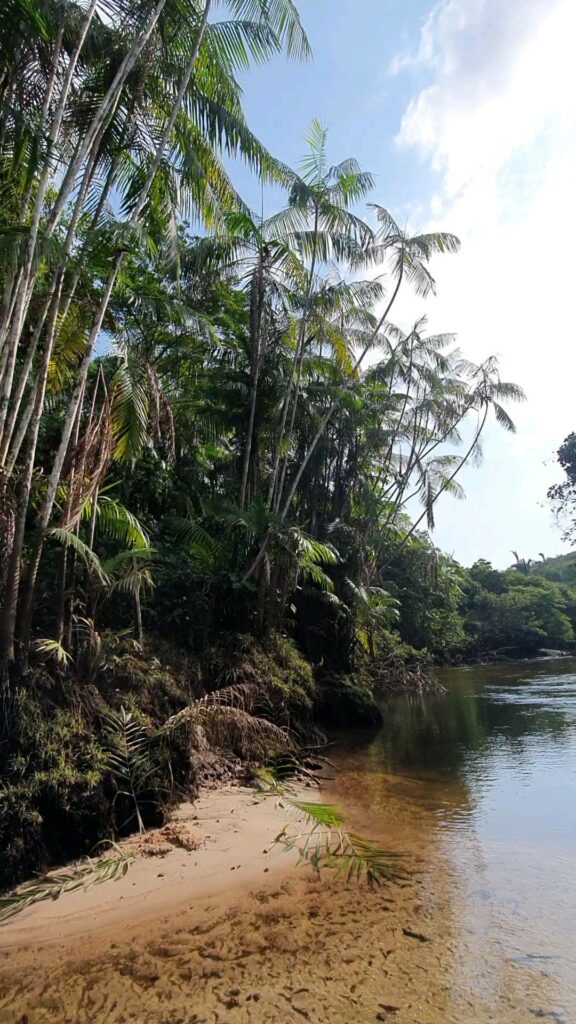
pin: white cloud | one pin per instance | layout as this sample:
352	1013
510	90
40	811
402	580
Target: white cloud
496	123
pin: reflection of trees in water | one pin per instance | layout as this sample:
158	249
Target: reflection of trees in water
432	750
437	733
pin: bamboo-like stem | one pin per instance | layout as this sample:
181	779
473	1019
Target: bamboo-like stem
107	106
257	301
11	586
28	276
295	374
299	355
54	478
443	488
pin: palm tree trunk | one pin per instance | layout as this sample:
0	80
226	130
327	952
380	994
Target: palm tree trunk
320	432
15	403
444	487
10	604
106	108
19	437
255	348
328	415
56	283
91	138
138	616
28	276
54	479
296	372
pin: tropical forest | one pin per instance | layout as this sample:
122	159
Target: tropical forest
223	457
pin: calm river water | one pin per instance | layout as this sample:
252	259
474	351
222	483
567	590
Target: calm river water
478	785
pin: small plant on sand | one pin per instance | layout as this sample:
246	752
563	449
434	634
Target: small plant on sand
129	760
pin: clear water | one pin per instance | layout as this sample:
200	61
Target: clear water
478	785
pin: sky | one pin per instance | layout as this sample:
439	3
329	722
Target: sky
465	112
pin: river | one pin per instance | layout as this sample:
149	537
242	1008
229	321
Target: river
478	785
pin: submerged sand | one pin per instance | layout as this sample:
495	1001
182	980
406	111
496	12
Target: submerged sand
233	932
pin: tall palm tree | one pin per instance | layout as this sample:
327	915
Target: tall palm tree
189	109
407	258
322	226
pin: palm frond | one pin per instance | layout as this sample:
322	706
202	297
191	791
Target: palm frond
82	875
53	649
328	845
231	727
114	520
69	539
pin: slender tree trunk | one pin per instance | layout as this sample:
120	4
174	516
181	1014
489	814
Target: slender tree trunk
138	616
56	283
62	585
54	479
16	399
8	625
20	435
296	371
255	351
328	415
107	107
90	139
444	487
319	433
27	283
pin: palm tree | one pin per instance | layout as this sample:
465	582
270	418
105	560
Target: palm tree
407	257
321	225
187	115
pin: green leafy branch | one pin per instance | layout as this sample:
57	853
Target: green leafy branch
328	844
82	875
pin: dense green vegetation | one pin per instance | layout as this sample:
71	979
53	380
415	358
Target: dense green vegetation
219	455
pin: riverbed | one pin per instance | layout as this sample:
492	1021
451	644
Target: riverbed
476	787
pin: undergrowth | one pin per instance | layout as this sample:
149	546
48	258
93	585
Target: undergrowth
89	758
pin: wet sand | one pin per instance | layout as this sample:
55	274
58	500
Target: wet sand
230	934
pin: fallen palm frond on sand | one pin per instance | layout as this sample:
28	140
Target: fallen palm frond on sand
328	844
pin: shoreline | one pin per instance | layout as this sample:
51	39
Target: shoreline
230	933
218	936
229	832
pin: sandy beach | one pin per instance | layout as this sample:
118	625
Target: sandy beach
214	924
230	932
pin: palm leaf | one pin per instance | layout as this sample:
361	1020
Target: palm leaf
82	875
69	539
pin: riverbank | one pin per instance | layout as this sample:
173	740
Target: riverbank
220	844
473	785
229	932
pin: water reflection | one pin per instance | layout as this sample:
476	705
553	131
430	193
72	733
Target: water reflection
479	783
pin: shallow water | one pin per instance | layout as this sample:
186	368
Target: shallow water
478	786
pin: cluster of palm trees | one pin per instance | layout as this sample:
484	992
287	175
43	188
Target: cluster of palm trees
252	364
